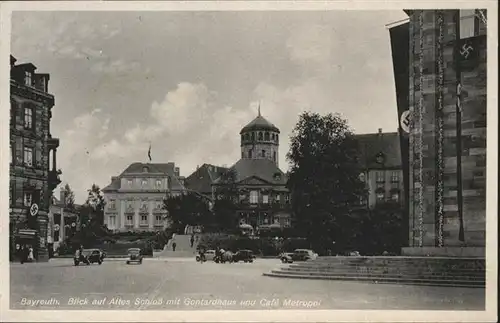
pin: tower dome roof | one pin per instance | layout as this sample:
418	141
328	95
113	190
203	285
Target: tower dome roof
259	123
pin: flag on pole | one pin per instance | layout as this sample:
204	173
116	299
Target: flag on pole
149	152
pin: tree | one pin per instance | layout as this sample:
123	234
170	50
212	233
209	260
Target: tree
69	197
324	178
187	209
94	205
226	195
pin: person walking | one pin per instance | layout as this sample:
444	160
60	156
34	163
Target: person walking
30	254
174	245
192	240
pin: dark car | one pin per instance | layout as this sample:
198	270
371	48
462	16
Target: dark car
303	255
286	257
243	255
89	256
134	255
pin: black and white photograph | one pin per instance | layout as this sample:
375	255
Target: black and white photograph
273	161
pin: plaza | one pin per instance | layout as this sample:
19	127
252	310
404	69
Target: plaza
182	284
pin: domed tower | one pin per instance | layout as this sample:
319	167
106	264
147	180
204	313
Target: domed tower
260	140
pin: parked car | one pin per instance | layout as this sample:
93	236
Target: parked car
243	255
303	255
89	256
134	255
286	257
209	255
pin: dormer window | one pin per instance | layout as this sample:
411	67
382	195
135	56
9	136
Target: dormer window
28	78
277	176
380	158
144	169
266	136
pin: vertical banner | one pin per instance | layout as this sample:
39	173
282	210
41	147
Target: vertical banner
439	193
400	47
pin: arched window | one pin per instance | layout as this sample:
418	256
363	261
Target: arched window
242	137
272	136
277	137
253	135
247	136
274	156
266	136
260	135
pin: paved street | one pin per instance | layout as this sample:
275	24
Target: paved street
185	284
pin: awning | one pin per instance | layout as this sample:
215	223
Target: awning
26	234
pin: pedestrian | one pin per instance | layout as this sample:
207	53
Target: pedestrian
174	245
22	254
192	240
30	254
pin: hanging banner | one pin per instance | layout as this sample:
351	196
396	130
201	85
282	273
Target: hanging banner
469	51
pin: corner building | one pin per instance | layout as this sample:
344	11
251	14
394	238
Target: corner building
33	170
446	127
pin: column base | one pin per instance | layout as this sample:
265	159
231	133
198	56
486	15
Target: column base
461	252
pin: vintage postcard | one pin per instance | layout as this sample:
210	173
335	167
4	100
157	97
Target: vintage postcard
249	161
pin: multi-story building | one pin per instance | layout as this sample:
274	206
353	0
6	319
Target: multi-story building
443	109
380	159
263	196
134	199
33	172
202	179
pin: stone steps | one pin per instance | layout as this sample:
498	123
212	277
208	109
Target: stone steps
383	279
466	272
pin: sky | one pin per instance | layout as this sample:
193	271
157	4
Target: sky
187	82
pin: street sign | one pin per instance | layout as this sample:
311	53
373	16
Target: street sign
34	209
405	121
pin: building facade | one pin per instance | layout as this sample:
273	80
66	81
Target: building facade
446	125
202	179
380	158
134	199
33	170
264	199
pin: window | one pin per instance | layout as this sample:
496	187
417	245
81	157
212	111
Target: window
253	136
11	195
144	219
380	196
130	182
130	205
274	155
129	220
260	135
263	153
395	197
144	206
277	138
112	204
242	137
112	221
144	182
287	198
11	154
266	136
250	153
158	183
362	200
380	177
28	118
28	198
158	220
28	79
242	154
395	177
159	205
43	84
467	23
144	169
277	197
28	156
254	197
265	199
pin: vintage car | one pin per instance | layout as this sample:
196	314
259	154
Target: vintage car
243	255
303	255
134	255
209	255
286	257
89	256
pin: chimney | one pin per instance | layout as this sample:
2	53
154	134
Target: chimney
62	196
177	171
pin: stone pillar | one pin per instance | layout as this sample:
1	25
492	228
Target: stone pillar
54	164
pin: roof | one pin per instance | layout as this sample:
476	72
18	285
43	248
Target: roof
264	169
259	123
385	144
201	180
136	168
